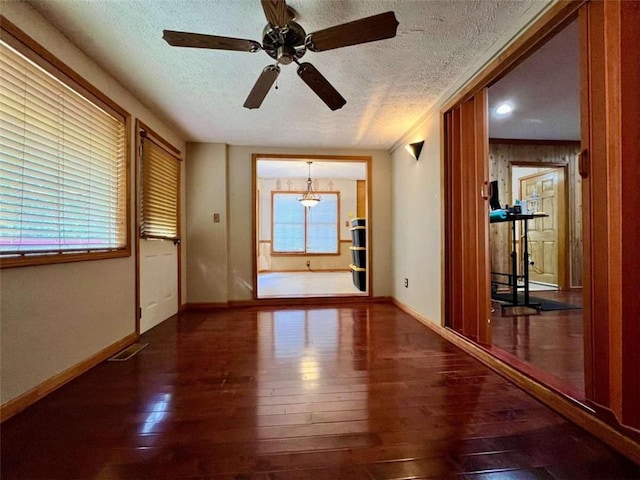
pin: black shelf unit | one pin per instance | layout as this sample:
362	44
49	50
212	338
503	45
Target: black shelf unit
359	253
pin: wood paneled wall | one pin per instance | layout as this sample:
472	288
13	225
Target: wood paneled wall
502	154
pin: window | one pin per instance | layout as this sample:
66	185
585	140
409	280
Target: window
159	187
297	229
63	164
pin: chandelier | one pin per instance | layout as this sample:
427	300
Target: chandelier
308	198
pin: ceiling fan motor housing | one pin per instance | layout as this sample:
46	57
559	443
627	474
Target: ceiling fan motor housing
284	45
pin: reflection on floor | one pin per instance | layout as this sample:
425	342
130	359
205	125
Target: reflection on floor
302	284
549	345
357	392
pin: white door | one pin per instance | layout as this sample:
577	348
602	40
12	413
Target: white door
158	282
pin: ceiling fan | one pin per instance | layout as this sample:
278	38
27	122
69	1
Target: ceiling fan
286	41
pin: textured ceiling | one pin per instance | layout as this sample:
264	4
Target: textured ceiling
389	85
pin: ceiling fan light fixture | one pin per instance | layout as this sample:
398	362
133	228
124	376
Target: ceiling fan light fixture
309	198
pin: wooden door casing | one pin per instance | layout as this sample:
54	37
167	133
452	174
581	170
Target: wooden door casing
609	166
546	234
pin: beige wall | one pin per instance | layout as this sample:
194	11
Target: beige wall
417	229
417	224
206	183
56	316
283	263
298	263
240	216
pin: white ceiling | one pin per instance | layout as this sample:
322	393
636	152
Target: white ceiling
544	91
389	85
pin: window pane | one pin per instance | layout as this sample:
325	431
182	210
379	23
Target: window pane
62	165
288	223
322	225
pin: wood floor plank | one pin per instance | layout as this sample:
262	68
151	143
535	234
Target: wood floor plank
354	392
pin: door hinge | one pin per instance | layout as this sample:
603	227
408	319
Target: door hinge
583	163
140	312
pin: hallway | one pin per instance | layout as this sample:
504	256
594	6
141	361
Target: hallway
349	392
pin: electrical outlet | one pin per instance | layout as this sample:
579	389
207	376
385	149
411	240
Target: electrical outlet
406	283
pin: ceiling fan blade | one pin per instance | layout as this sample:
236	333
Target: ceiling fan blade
369	29
199	40
262	86
276	12
321	86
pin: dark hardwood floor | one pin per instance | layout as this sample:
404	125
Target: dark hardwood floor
352	392
547	345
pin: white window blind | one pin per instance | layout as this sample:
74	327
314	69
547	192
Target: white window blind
288	223
159	191
297	229
63	185
322	225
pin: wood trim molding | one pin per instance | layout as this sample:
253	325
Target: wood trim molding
286	302
297	158
197	306
297	301
16	405
310	254
571	409
158	140
366	159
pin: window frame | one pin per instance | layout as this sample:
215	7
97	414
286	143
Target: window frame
34	52
304	253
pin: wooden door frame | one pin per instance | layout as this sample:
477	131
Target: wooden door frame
564	282
609	164
467	281
140	125
366	159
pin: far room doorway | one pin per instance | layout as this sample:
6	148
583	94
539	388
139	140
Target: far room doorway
528	115
321	250
534	145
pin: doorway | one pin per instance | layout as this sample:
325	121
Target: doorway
532	142
607	165
311	251
533	157
158	227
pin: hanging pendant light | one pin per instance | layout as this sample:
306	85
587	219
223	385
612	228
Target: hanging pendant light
308	198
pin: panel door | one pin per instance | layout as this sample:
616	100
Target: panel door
158	282
543	232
